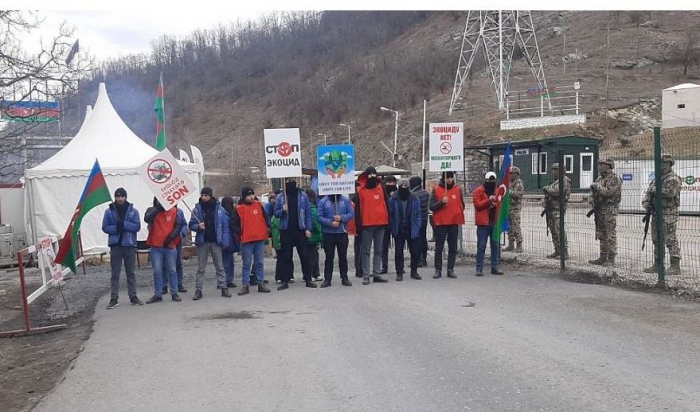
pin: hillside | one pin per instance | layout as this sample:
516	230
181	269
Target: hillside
316	70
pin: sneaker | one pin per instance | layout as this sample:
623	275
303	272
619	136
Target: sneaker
197	295
136	301
379	279
345	282
154	299
283	286
181	289
496	271
311	285
365	280
225	293
244	290
326	283
262	288
176	298
479	272
113	303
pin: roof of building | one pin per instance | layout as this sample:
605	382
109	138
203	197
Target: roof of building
542	141
683	86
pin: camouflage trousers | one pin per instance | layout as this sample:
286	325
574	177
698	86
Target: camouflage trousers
514	231
553	226
670	239
606	229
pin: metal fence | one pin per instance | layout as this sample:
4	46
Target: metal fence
635	164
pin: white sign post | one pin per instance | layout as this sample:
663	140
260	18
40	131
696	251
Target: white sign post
282	153
166	179
446	147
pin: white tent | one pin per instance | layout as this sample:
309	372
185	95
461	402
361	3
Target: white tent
53	188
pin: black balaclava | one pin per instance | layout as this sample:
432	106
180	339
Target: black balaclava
291	186
390	188
490	188
404	193
372	182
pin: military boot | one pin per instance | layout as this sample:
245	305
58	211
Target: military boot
553	255
675	268
611	260
510	247
654	268
519	247
600	261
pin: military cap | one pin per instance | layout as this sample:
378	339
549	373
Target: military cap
667	158
515	169
608	161
555	166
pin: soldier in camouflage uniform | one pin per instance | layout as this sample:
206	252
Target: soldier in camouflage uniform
606	194
551	207
515	235
670	203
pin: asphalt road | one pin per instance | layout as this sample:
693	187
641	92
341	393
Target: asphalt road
521	342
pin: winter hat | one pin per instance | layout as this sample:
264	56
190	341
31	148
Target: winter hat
415	181
446	175
403	183
120	192
370	171
206	190
246	191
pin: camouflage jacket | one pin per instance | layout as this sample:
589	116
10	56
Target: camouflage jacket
670	192
606	191
551	191
516	193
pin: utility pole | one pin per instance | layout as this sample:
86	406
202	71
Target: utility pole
563	24
348	126
607	68
396	130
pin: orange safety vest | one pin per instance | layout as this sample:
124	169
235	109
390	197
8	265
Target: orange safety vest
253	224
162	226
452	212
373	207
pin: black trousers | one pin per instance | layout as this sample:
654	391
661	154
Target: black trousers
413	249
385	249
357	247
423	238
331	242
289	239
312	256
450	232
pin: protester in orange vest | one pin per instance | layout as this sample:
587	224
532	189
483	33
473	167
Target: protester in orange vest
372	219
448	214
484	198
252	227
163	238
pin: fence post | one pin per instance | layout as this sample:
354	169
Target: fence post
658	209
563	250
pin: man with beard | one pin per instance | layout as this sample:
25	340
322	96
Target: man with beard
423	196
372	218
121	222
211	224
390	187
294	211
485	218
405	217
448	214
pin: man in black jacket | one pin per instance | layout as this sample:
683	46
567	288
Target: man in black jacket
417	189
390	188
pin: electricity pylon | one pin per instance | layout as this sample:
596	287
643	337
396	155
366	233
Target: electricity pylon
497	32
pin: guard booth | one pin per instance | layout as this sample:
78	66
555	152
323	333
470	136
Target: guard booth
535	159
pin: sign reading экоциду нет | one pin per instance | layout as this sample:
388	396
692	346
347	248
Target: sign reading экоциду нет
446	147
166	179
282	153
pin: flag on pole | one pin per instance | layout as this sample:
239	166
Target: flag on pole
95	193
503	197
160	116
73	51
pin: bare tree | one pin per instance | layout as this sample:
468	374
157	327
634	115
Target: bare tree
46	75
691	51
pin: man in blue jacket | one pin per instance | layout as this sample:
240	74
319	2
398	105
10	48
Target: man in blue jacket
209	221
334	213
294	211
122	222
405	218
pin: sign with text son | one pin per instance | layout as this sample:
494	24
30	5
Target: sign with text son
446	147
166	179
336	169
282	153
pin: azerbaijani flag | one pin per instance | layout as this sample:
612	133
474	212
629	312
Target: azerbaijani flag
160	116
94	194
503	197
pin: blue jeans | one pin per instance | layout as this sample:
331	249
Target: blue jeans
253	252
482	234
229	265
164	258
178	266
